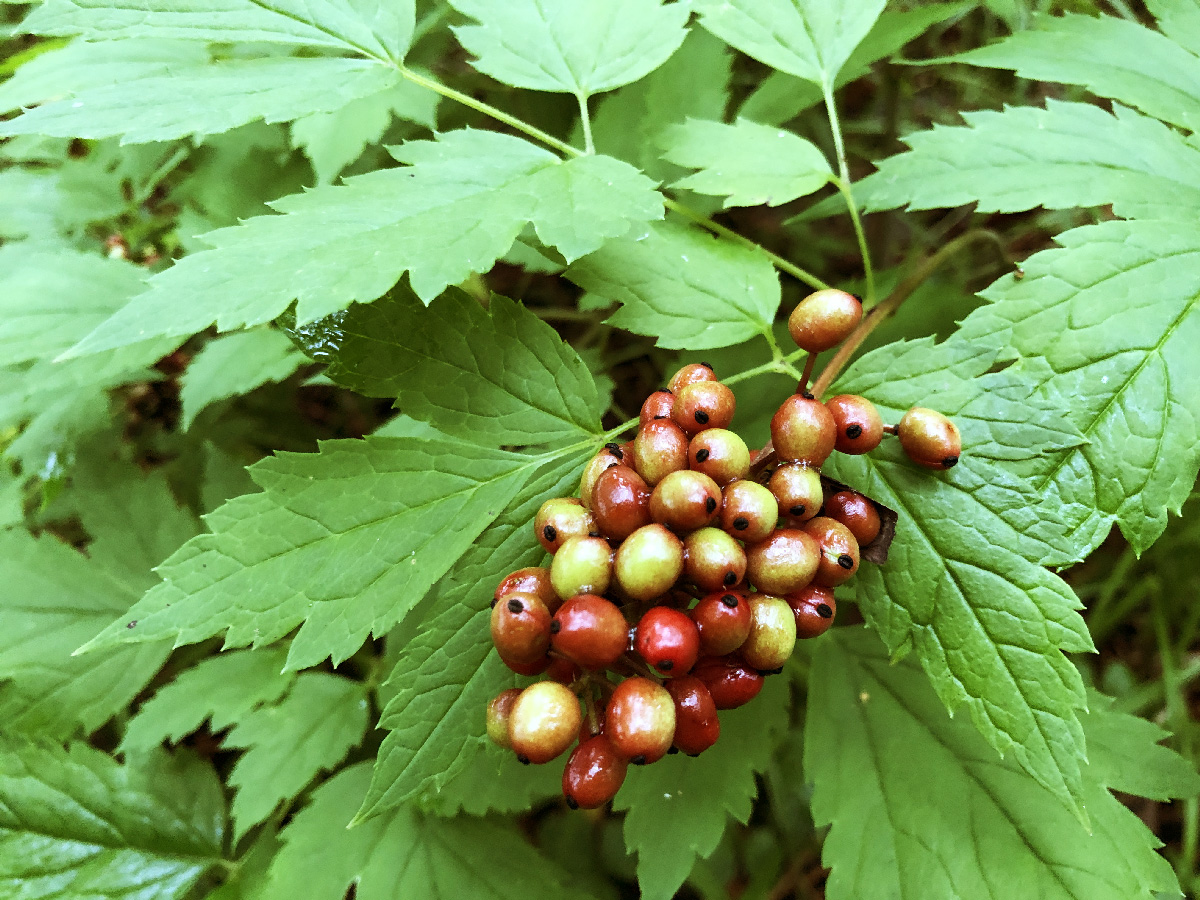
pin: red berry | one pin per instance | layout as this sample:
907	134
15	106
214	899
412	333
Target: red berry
544	721
704	404
731	682
640	720
859	427
590	631
723	620
560	519
657	406
685	501
594	773
691	374
803	430
668	640
929	438
521	628
814	608
533	580
786	561
721	455
749	512
712	560
772	633
838	551
620	502
857	513
798	490
596	467
824	319
562	670
649	562
582	565
696	724
537	667
659	449
499	711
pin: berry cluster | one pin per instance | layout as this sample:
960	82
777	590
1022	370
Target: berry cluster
686	569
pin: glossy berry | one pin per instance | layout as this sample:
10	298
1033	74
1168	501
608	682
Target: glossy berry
590	631
857	513
720	454
544	722
667	640
814	608
499	711
596	467
533	580
685	500
704	404
640	720
560	519
772	633
723	620
564	671
649	562
620	502
712	560
731	682
749	512
659	449
692	373
594	773
656	406
929	438
803	430
859	427
838	551
521	628
583	565
786	561
696	724
798	490
824	319
537	667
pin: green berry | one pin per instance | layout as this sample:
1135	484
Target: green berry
772	635
691	374
596	467
824	319
685	500
560	519
803	430
798	490
929	438
786	561
659	449
499	711
544	721
649	562
712	560
583	565
838	551
704	404
720	454
749	512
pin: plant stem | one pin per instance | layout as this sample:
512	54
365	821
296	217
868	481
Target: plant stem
809	363
843	185
588	147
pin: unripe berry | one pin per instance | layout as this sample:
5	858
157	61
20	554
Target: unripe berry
772	633
696	724
668	640
640	720
798	489
659	449
560	519
814	608
929	438
723	620
712	560
499	711
859	427
721	455
594	773
857	513
590	631
620	502
656	406
685	501
583	565
705	404
838	551
731	682
544	722
786	561
533	580
749	512
803	430
824	319
521	628
692	373
649	562
596	467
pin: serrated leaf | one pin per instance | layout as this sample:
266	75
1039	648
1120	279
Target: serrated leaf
345	541
235	364
987	823
580	47
1180	21
1114	317
1125	754
722	294
495	782
454	209
442	683
74	825
155	90
746	163
404	855
811	39
1142	68
498	375
312	729
221	689
679	807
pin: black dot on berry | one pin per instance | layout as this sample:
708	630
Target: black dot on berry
778	671
693	755
515	605
807	395
639	760
797	510
858	298
824	611
555	626
593	534
666	390
571	802
730	581
950	461
492	605
672	751
707	366
710	504
730	600
550	533
701	455
523	760
741	523
846	561
701	417
656	418
853	431
613	445
665	665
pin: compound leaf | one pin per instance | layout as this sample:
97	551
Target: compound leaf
235	364
1180	21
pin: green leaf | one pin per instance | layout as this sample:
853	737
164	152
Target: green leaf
1142	68
345	541
811	39
74	825
1124	754
448	673
494	781
497	376
745	163
580	47
679	807
1113	316
1180	21
454	209
235	364
374	28
722	294
405	855
875	733
222	689
28	202
154	90
312	729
